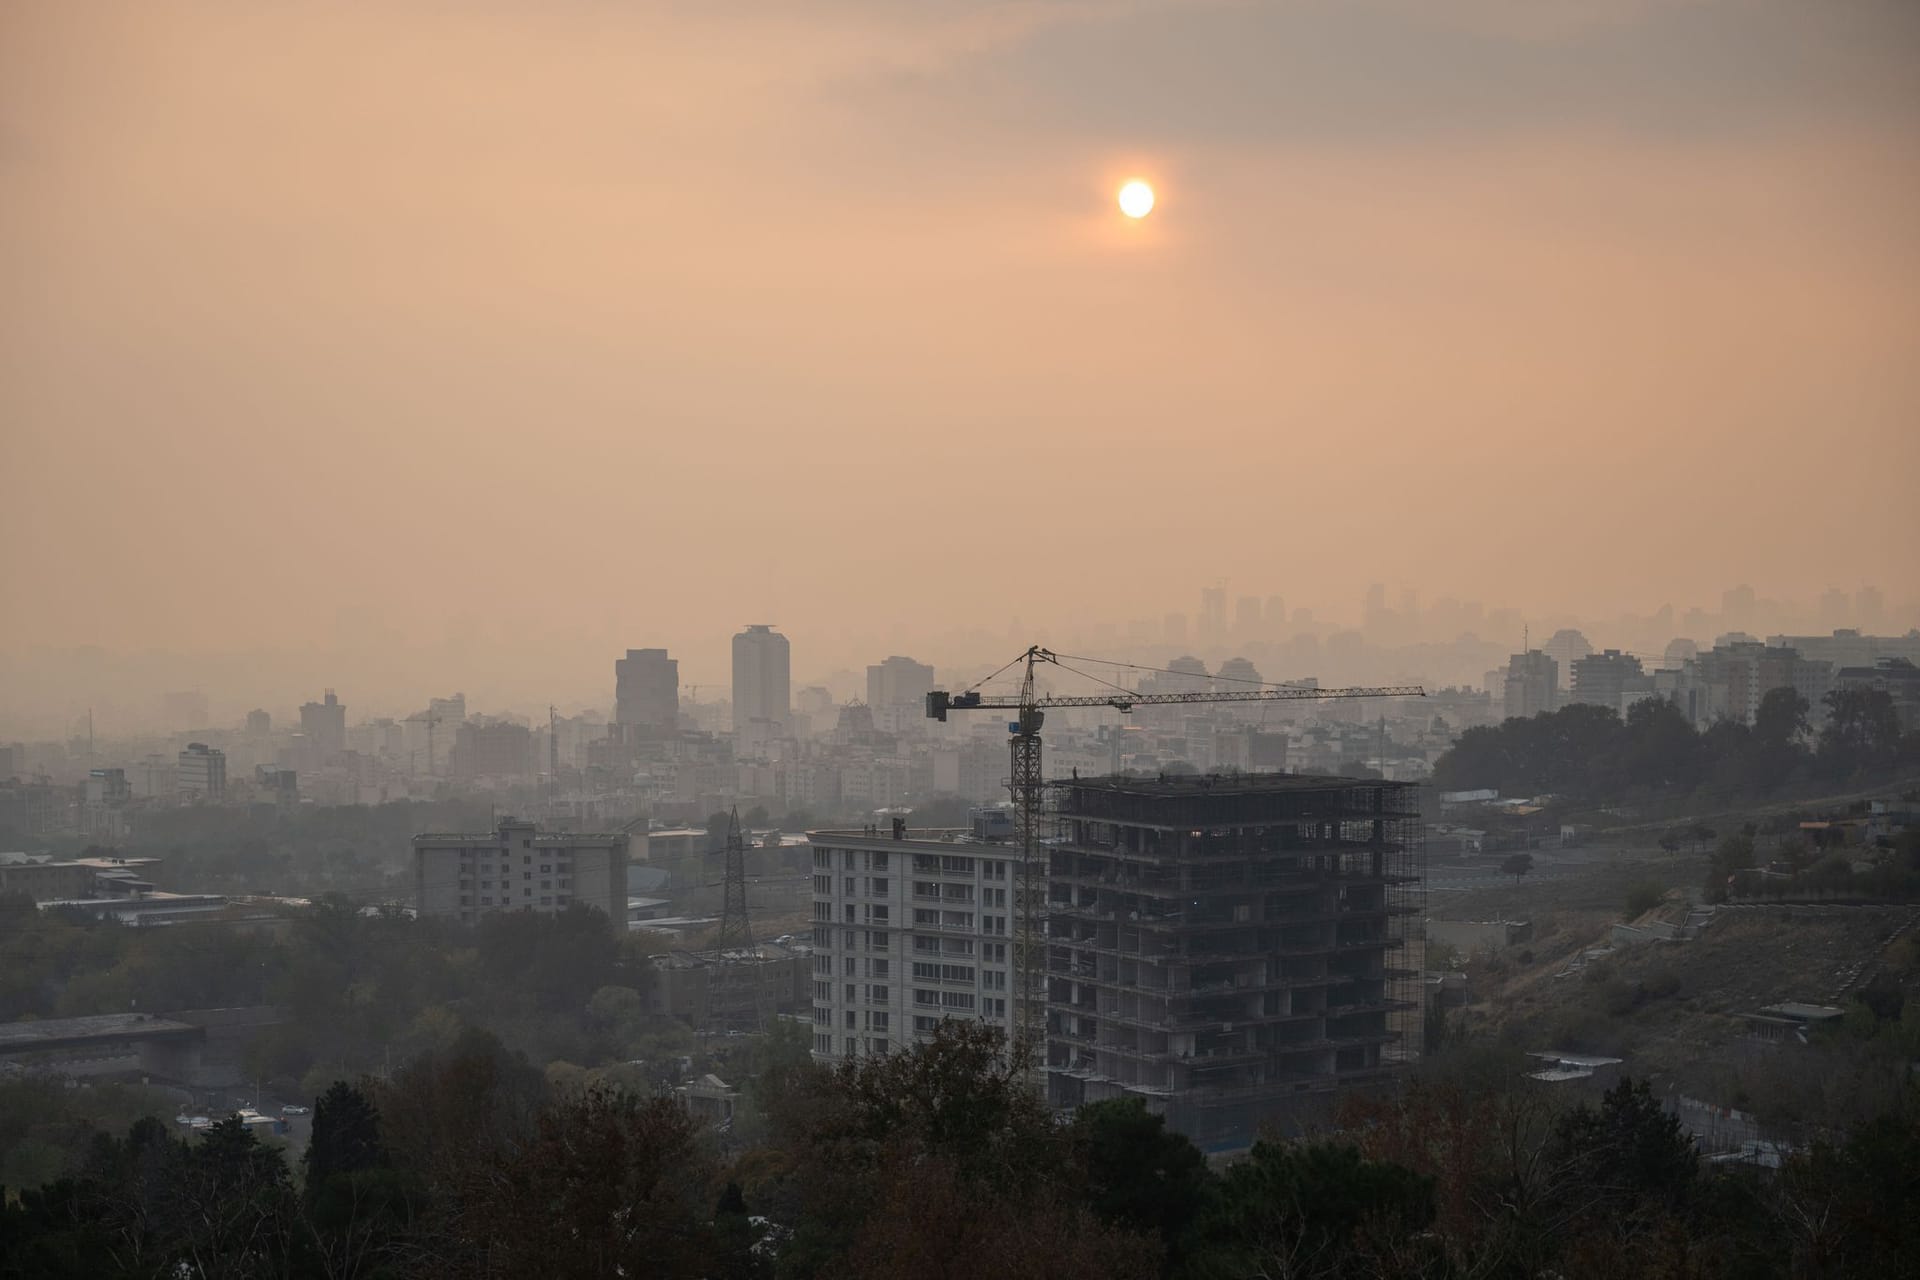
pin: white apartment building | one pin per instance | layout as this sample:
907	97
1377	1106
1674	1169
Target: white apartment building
907	931
515	868
201	773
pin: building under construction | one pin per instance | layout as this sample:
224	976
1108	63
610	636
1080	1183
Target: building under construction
1231	949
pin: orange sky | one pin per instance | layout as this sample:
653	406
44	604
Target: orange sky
644	322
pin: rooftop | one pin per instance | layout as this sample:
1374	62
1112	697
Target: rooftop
1220	784
48	1033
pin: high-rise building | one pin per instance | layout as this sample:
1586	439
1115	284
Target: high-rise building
1246	617
491	749
515	868
1213	614
1566	647
646	694
1230	949
906	932
325	724
898	687
259	723
762	678
1532	685
1276	617
200	773
1607	679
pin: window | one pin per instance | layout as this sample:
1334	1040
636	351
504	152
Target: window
846	859
852	992
956	999
956	866
823	885
876	994
823	992
877	860
931	918
852	1019
823	911
546	901
526	875
922	996
852	912
822	935
486	900
849	886
823	1044
546	884
877	1020
926	889
877	913
957	892
823	859
994	870
957	919
877	886
993	979
877	941
876	968
822	1016
923	1025
926	862
466	900
852	966
823	964
546	868
927	944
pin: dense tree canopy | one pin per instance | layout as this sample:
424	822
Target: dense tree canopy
1588	754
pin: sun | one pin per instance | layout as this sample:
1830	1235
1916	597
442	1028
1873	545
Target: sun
1136	199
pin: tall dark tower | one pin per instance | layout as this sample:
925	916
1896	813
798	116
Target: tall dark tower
736	934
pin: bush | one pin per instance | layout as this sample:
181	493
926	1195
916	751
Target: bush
1644	897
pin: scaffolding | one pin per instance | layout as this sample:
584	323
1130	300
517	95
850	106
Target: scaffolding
1234	950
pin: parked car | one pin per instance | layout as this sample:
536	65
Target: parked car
291	1109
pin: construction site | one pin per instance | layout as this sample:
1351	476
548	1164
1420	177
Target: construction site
1229	948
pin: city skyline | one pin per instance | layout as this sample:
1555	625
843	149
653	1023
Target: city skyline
1575	323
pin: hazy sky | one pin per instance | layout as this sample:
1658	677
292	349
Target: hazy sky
322	322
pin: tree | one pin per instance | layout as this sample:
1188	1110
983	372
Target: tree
1138	1173
1862	732
1517	865
1701	833
1670	842
1315	1210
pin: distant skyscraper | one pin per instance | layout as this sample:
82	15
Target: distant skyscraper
1213	613
762	677
1532	681
1276	616
899	683
1246	617
646	693
1566	648
259	723
325	724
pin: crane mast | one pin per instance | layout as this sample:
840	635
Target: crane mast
1026	785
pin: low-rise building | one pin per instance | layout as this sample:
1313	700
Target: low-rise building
515	868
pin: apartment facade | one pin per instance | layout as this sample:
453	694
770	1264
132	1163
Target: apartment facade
908	930
200	773
516	868
762	678
1230	949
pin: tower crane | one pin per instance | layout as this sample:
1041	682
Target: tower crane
1027	784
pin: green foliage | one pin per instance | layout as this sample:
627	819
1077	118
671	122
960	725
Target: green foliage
1320	1210
1516	865
1138	1173
1644	897
1590	755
